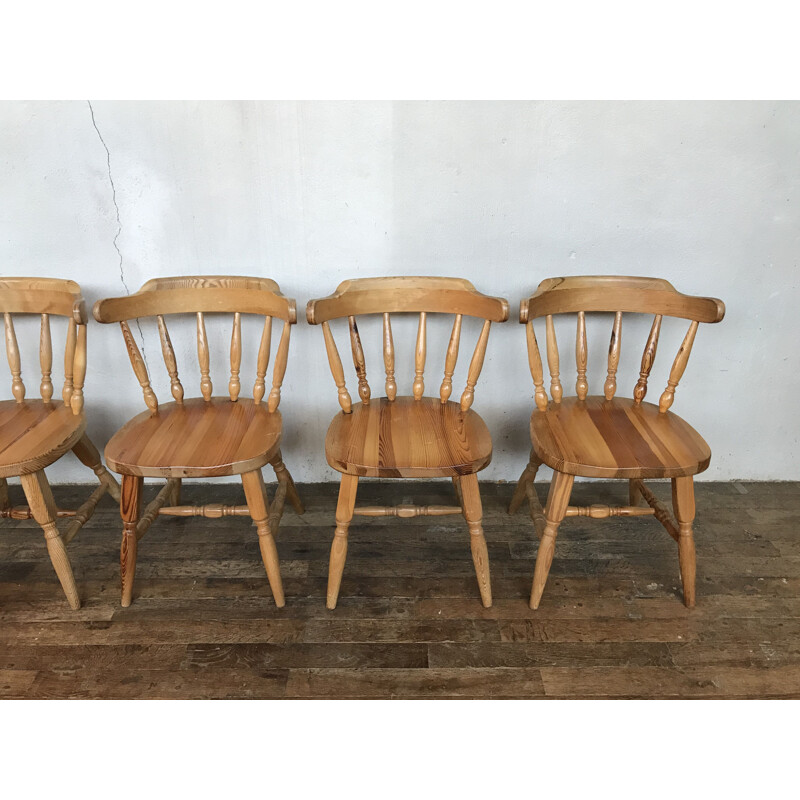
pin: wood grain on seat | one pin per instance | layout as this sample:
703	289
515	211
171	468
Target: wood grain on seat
196	439
599	438
408	438
34	434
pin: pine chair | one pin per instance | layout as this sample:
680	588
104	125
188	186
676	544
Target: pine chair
36	433
407	436
203	437
607	436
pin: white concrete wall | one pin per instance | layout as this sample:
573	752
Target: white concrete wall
504	194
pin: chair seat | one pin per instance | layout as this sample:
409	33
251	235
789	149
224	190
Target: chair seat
408	438
599	438
197	439
34	434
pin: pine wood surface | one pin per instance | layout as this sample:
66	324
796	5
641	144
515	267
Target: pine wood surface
619	438
409	623
408	438
196	439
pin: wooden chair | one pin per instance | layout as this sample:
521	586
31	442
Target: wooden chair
36	433
407	436
607	436
203	437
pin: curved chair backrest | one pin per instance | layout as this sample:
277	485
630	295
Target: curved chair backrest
47	297
199	295
616	294
424	296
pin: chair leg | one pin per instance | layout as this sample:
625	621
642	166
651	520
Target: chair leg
528	476
683	504
130	509
175	500
459	494
344	513
43	507
634	495
4	501
256	494
284	476
556	509
480	555
89	456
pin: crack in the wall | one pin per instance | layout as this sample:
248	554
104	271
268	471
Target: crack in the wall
119	224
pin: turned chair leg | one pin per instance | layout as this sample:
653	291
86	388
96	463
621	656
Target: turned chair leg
4	501
256	494
344	513
459	494
480	555
43	507
528	476
683	504
175	499
89	456
634	495
130	509
556	510
284	476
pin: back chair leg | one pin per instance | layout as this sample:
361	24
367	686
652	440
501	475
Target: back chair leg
528	476
175	500
89	456
256	494
480	555
459	494
344	513
43	507
130	509
634	495
284	476
4	501
556	510
683	504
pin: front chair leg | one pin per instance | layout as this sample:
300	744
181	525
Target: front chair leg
89	456
344	513
284	476
480	554
256	494
43	507
555	511
528	476
683	504
130	509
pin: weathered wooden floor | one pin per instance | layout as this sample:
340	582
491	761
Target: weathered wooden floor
409	622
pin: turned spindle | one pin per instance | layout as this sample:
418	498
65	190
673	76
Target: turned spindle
419	358
388	357
46	359
234	384
610	386
69	358
581	355
279	369
335	364
169	360
556	390
262	361
475	367
206	387
535	365
450	360
139	368
76	401
358	361
678	367
14	363
648	357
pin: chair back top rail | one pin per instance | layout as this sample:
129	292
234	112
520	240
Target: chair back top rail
199	293
617	293
406	294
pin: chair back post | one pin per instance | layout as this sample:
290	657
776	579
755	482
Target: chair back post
618	295
418	295
201	295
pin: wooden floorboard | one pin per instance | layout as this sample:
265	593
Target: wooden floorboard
409	623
